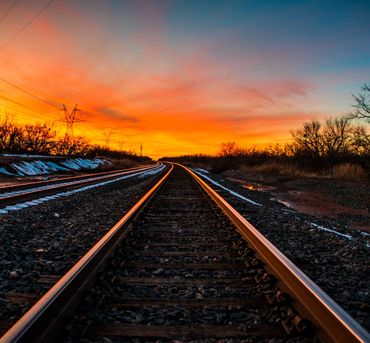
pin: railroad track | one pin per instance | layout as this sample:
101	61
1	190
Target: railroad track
12	195
183	265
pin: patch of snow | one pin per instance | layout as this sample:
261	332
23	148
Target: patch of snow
285	203
4	171
55	167
37	167
227	189
79	163
70	164
7	194
31	168
323	228
203	171
22	155
286	211
366	235
19	206
152	171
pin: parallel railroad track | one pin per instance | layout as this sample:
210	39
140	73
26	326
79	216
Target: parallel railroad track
14	194
183	265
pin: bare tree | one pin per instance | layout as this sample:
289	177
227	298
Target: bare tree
360	141
362	104
228	149
39	139
309	139
77	146
275	150
332	139
336	136
5	128
11	137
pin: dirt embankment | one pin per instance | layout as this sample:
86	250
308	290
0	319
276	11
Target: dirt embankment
343	201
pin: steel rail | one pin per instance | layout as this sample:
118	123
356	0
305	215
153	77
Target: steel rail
333	322
26	185
41	322
29	194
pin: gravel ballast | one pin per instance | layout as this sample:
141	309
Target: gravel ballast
337	260
39	244
46	240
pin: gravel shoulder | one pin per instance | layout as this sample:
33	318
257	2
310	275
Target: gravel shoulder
39	244
336	260
331	199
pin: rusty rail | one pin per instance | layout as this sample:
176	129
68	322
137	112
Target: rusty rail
333	322
41	322
27	185
81	181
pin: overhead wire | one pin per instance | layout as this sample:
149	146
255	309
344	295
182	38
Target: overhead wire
14	85
24	73
9	42
15	102
20	116
26	25
20	71
48	117
28	93
8	11
16	111
28	76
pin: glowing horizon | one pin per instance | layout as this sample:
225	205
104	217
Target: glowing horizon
181	77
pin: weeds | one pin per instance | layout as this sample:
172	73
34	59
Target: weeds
349	172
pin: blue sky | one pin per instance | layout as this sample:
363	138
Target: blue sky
193	73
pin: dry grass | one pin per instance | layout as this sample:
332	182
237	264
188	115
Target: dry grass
345	171
349	172
276	168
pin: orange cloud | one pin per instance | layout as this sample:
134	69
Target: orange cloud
188	105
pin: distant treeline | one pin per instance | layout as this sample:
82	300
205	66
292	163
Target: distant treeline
315	146
40	139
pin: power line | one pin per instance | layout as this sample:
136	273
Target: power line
28	114
7	12
16	110
17	103
25	74
26	25
16	117
28	93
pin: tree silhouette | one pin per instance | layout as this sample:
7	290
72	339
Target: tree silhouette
362	104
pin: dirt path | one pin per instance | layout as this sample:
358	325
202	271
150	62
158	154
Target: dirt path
347	202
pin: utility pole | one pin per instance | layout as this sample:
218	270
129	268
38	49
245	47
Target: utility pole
107	137
70	118
141	149
121	143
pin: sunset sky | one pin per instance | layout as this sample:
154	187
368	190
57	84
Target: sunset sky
183	76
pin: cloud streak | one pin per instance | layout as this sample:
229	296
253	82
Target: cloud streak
167	76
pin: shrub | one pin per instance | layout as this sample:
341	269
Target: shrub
349	172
